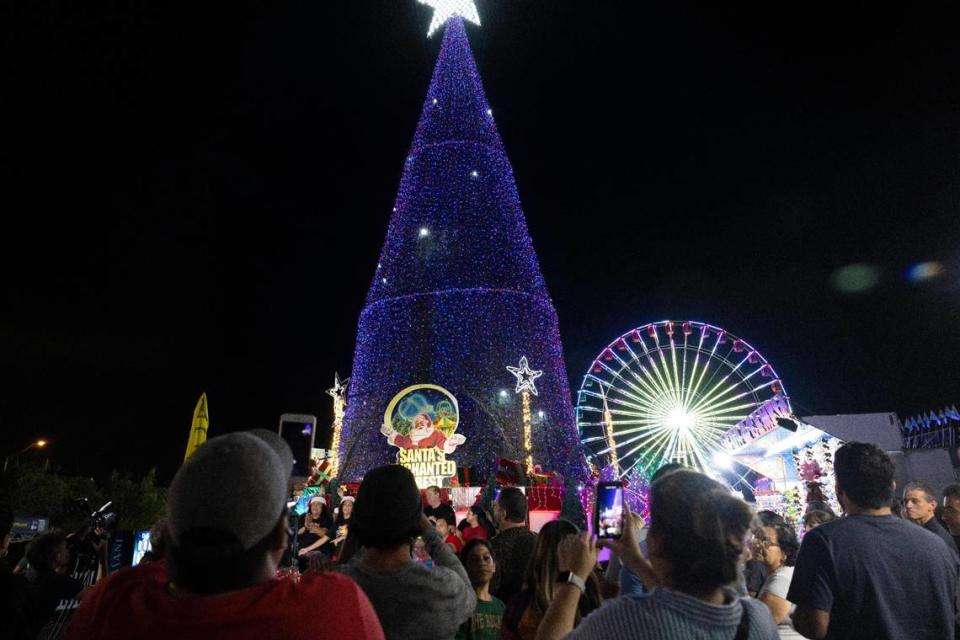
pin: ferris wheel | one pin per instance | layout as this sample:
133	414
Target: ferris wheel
669	392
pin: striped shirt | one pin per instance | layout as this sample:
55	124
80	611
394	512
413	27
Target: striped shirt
665	614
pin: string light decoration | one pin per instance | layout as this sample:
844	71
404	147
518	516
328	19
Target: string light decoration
451	306
339	394
526	377
670	392
444	10
526	384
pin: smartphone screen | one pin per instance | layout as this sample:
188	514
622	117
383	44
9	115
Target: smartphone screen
608	514
141	544
298	432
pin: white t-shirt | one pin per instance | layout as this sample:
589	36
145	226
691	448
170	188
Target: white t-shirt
778	584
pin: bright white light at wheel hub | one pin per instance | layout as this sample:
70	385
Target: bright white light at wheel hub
679	420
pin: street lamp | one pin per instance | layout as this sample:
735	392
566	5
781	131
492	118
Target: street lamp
39	444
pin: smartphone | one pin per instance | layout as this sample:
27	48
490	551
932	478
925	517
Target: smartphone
299	432
608	511
141	544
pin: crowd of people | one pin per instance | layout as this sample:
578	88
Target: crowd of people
387	564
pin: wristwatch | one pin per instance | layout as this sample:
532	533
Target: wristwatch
572	578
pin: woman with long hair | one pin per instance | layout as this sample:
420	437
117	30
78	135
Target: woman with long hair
341	526
526	610
696	543
315	532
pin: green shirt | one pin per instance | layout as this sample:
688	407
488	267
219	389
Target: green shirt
484	624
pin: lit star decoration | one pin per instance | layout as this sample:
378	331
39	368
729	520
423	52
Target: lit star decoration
675	392
339	394
451	308
443	10
526	377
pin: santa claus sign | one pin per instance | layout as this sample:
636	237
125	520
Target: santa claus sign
421	422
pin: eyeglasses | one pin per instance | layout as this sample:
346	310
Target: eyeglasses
766	544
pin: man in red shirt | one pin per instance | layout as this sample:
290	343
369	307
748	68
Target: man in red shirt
227	526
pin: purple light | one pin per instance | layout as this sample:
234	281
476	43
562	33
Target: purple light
456	310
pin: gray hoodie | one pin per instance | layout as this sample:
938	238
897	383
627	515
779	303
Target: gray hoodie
416	601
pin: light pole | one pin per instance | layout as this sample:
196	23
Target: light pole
39	444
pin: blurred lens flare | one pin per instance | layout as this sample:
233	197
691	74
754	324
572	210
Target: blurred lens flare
855	278
923	271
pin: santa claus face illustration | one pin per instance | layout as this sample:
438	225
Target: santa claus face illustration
422	427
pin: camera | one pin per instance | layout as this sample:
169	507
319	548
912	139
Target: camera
96	528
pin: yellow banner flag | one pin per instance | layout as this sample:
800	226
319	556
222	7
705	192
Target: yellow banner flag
198	430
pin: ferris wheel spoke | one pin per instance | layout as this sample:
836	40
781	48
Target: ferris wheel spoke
706	365
677	383
743	379
653	451
665	387
644	440
708	396
683	377
662	389
702	459
721	425
748	392
691	389
676	373
644	428
652	397
637	404
636	417
649	383
719	408
666	370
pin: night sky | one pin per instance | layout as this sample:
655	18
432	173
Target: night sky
196	197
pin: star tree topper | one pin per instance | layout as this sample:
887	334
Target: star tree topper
525	376
443	10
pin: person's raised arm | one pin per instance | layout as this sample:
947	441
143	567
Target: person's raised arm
442	554
578	555
627	549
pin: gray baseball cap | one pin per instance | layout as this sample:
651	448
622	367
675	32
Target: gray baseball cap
236	483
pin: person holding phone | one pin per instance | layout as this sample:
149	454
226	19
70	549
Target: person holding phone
617	573
696	542
341	526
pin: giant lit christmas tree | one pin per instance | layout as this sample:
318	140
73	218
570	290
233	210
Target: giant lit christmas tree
458	294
